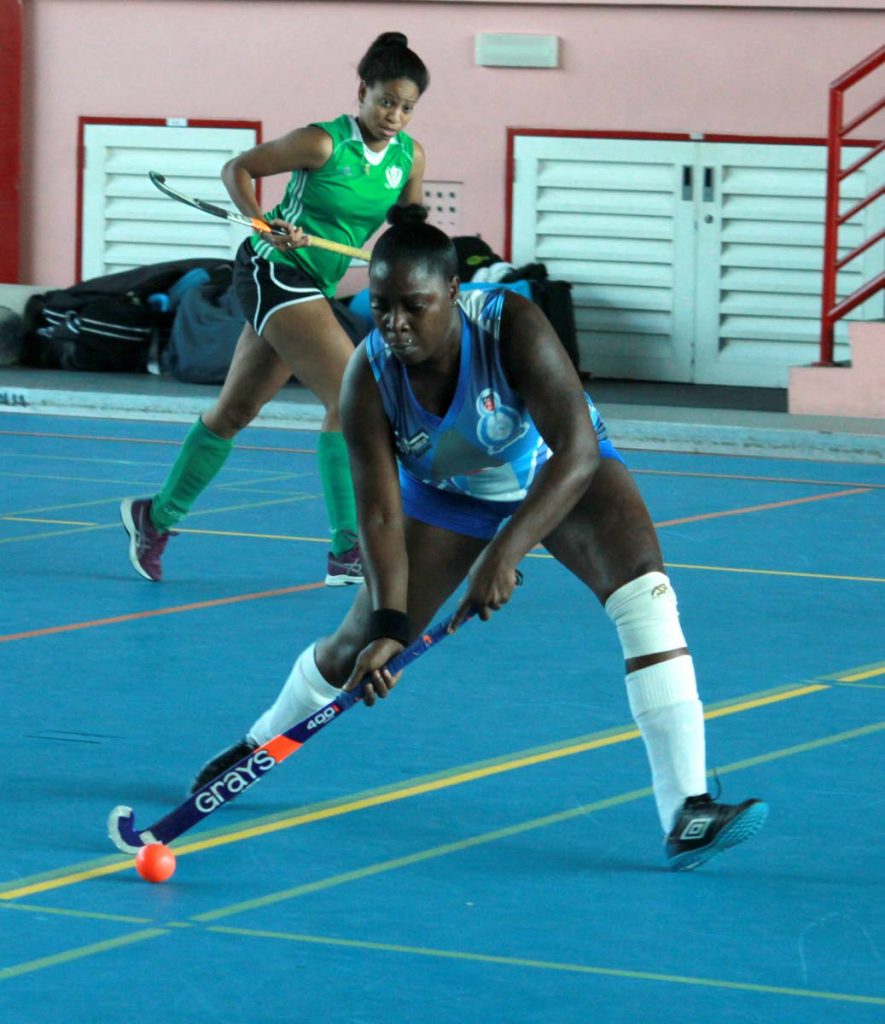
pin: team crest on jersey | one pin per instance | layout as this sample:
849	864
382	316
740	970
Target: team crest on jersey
414	446
394	177
499	425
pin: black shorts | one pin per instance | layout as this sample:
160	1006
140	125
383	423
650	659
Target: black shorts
262	287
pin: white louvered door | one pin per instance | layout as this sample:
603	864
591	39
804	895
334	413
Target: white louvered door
608	216
127	222
760	257
691	261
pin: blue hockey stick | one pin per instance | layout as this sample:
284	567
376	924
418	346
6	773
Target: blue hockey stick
246	772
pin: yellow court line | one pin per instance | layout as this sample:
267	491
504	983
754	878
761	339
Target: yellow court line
67	505
77	954
460	778
779	572
546	965
490	959
312	451
510	830
49	534
405	792
47	522
420	856
754	572
90	915
83	527
324	540
464	844
258	536
879	670
247	506
78	479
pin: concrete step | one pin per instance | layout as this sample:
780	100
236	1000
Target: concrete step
855	390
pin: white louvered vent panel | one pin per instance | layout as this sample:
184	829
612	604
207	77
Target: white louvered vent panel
607	226
627	226
609	249
127	222
605	201
597	172
761	263
673	280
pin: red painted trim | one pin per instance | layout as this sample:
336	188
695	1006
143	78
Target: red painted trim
157	122
571	133
162	122
78	210
580	133
510	174
781	140
11	64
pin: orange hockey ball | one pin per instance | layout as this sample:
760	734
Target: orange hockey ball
155	862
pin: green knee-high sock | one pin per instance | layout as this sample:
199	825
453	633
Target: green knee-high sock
200	458
337	490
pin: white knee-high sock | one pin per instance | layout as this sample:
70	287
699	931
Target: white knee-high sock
665	705
303	692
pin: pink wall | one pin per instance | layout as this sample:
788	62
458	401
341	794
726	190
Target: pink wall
625	68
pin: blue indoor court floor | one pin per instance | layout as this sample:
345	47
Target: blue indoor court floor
481	848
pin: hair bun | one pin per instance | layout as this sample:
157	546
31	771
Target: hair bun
390	39
400	216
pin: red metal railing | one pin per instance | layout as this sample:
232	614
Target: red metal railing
837	131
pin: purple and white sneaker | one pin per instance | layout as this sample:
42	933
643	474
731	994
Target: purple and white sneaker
146	542
345	568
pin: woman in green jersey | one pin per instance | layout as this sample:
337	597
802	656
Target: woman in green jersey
345	175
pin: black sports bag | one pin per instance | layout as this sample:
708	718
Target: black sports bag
112	333
105	323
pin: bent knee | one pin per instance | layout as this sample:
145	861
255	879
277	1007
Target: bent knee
229	417
646	616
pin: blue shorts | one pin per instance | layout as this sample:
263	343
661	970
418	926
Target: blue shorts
461	513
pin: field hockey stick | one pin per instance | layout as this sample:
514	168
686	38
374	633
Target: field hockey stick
256	223
247	771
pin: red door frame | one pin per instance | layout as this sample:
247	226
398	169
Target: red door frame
159	122
11	60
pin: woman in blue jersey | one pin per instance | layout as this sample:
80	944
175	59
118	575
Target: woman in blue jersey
345	174
472	442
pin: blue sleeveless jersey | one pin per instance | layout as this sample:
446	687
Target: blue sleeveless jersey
486	445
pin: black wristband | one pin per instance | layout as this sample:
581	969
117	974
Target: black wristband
390	624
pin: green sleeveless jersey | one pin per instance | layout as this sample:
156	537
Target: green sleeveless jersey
346	200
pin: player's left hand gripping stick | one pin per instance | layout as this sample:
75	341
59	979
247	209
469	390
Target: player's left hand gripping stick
245	773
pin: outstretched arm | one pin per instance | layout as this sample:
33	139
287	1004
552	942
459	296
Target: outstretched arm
379	513
376	485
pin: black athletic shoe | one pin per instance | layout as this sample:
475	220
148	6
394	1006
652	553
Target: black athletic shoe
223	760
704	828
